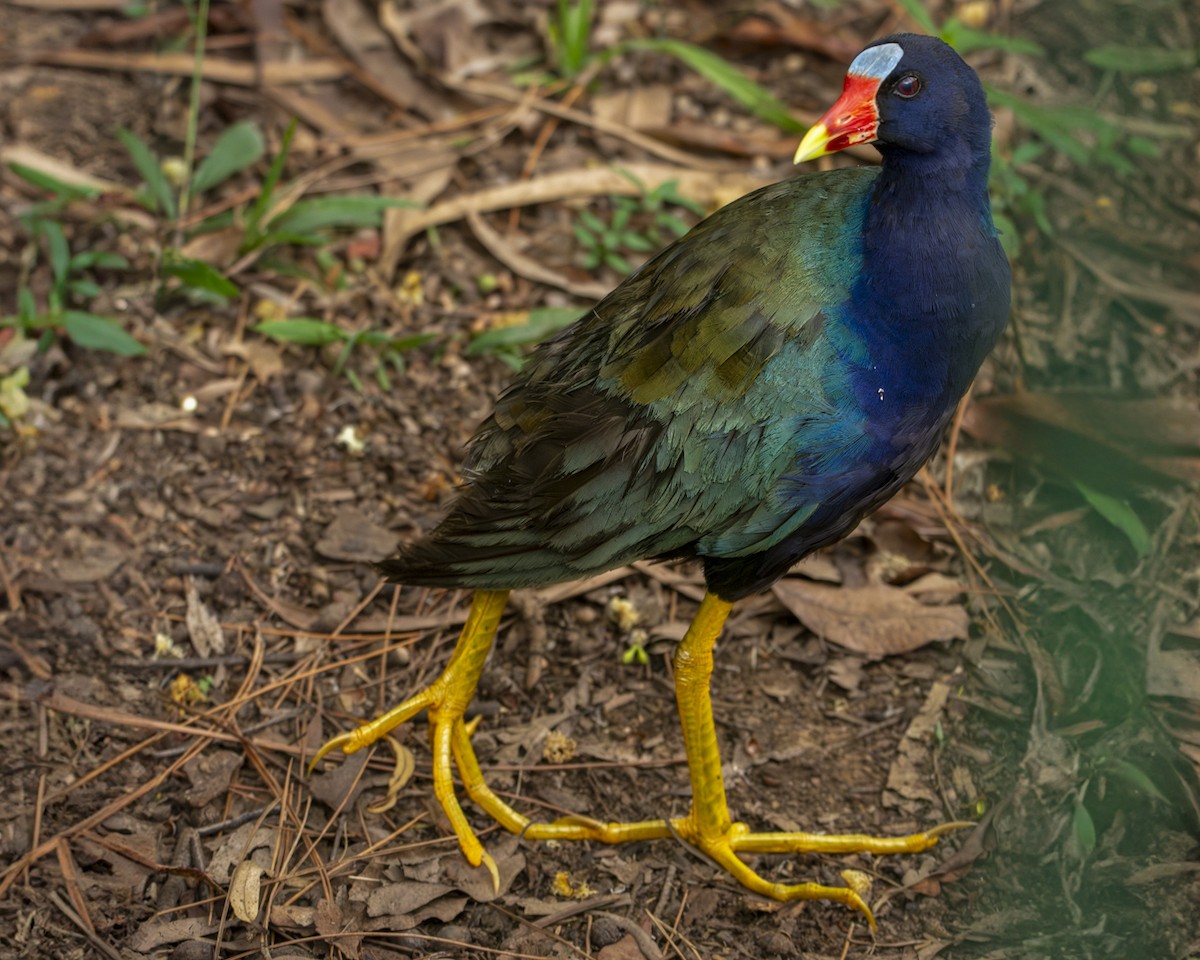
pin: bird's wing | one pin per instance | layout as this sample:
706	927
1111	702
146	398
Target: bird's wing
665	416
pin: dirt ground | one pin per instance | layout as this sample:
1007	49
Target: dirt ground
187	605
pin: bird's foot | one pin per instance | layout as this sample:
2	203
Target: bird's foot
449	736
446	699
724	846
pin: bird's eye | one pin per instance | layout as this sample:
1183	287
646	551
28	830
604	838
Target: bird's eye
908	86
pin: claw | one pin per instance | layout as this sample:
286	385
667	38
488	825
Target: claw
342	741
487	861
943	828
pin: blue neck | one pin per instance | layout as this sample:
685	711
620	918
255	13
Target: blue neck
916	307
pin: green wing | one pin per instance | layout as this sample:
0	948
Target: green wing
668	414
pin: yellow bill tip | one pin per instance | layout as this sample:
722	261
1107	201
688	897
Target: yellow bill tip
814	143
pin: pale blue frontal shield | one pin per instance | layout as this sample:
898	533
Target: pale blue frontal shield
876	63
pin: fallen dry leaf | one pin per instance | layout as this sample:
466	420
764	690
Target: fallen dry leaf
1172	673
624	949
356	537
236	848
476	882
877	620
203	626
211	773
905	780
245	890
155	933
404	897
265	358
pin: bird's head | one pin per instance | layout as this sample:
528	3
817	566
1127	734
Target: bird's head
905	91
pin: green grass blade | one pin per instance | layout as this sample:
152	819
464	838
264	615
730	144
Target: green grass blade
1124	59
966	39
721	73
254	218
916	10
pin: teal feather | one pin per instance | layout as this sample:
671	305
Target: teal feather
668	412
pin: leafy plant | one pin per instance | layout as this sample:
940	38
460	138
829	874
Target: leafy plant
570	32
1013	195
508	340
65	308
637	225
270	221
311	332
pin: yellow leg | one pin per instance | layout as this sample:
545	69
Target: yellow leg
447	699
708	825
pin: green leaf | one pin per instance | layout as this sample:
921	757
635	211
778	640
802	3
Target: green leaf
44	181
585	238
672	223
98	258
728	77
26	307
1120	515
1123	59
150	170
237	148
348	212
1143	147
306	331
202	276
1057	125
636	242
618	263
1085	829
283	238
917	11
100	333
592	222
541	324
1136	776
398	345
56	247
83	289
1027	153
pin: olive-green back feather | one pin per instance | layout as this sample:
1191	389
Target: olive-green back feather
665	420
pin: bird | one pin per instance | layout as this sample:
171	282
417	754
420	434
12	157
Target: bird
744	398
